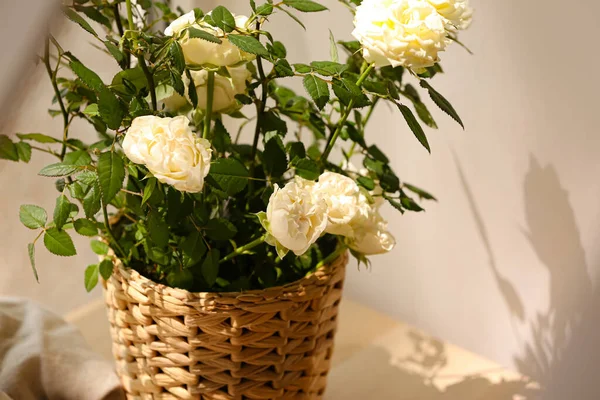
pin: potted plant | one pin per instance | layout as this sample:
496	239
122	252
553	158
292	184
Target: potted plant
222	261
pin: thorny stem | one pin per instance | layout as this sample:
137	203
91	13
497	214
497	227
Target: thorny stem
342	121
150	80
243	249
210	91
260	110
59	98
110	232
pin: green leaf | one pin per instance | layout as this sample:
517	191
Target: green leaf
425	115
183	279
194	247
377	154
177	55
419	192
414	125
305	5
129	81
37	137
85	227
59	243
307	169
347	91
223	18
410	204
91	277
158	228
374	166
78	158
114	51
195	33
220	229
249	44
230	174
24	151
302	68
106	269
265	9
87	76
92	110
8	150
33	217
110	109
333	50
78	19
274	157
317	89
31	252
58	169
296	150
283	68
442	103
91	201
366	182
98	247
111	173
328	68
61	211
210	267
149	189
192	93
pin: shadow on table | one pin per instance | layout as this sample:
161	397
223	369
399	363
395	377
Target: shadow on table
374	373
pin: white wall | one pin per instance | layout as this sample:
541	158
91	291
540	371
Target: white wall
506	261
504	264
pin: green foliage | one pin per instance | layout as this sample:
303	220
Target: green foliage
33	217
181	239
59	243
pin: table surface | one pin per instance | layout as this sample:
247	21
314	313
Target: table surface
378	358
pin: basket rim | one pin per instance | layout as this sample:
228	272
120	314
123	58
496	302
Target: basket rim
328	269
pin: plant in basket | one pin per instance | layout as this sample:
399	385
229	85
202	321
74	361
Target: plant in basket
223	260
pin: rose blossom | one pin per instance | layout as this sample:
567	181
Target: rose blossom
458	12
408	33
341	195
170	151
225	89
202	52
295	217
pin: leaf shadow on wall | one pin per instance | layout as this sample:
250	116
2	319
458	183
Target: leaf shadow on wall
563	351
382	373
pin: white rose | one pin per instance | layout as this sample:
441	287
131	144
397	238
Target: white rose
342	196
295	217
170	100
225	90
170	151
201	52
458	12
408	33
370	230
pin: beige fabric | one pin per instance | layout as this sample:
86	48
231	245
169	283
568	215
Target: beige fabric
43	357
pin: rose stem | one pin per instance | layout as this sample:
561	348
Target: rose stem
344	118
242	249
210	89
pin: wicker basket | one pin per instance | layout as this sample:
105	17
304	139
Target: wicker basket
264	344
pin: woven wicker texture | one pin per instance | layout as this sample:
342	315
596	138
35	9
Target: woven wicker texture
265	344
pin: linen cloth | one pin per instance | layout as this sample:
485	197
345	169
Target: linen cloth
43	357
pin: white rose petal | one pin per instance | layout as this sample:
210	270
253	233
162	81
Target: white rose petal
295	217
225	89
201	52
408	33
170	151
341	195
370	230
458	12
185	21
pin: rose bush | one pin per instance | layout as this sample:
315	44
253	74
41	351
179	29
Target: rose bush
177	195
